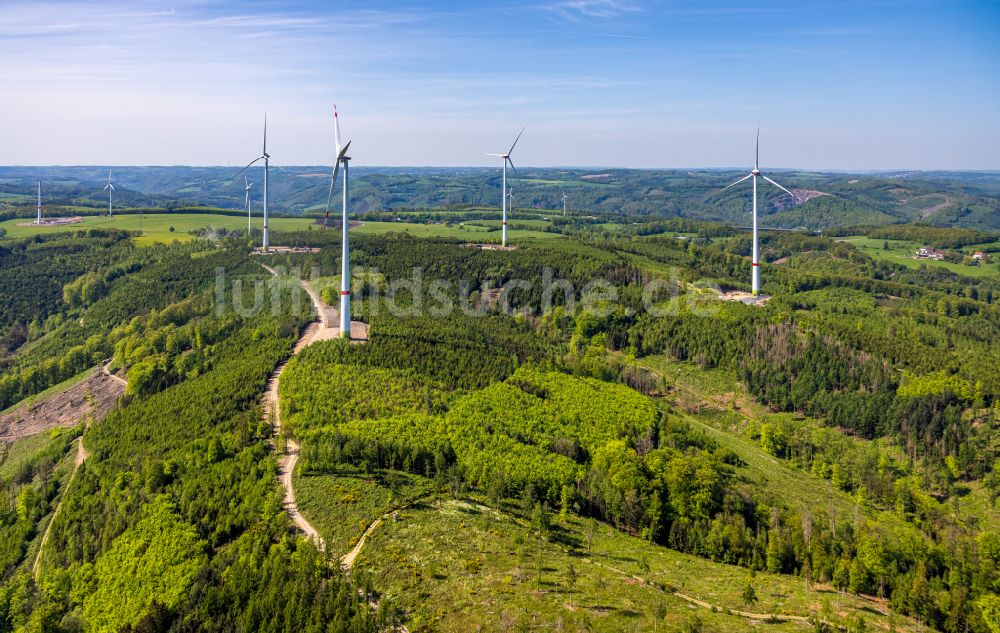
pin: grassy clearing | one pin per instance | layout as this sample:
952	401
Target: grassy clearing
988	247
973	503
343	506
457	565
714	402
778	480
901	252
23	450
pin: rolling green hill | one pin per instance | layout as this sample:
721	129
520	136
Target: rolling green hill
834	199
626	450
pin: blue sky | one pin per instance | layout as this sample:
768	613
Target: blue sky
836	85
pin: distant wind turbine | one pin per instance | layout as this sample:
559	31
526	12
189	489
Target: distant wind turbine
249	186
345	266
564	203
506	160
38	220
109	188
266	158
754	173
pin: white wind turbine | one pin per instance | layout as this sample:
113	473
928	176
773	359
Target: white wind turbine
345	267
754	173
38	220
506	159
564	203
248	187
109	188
266	158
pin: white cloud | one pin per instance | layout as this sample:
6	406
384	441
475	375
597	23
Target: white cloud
579	9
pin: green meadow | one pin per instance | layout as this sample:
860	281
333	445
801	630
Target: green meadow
167	227
901	252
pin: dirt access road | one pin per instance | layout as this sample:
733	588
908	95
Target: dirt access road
112	384
81	456
91	398
326	326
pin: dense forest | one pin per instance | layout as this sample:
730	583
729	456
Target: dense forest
175	520
528	376
874	350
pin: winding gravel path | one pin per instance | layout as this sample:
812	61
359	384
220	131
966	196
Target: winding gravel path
81	456
325	327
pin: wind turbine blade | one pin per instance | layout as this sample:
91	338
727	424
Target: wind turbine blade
112	186
497	155
280	167
342	152
336	130
748	176
106	187
265	134
780	187
516	175
756	156
246	182
329	195
249	165
516	140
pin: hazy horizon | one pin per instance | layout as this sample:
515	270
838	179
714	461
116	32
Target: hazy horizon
900	85
819	170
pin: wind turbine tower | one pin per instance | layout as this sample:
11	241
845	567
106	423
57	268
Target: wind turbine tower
755	173
109	188
38	219
266	158
345	265
503	196
248	187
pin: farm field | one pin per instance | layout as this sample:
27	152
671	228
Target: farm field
496	224
477	230
156	227
901	252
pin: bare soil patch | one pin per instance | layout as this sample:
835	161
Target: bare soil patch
53	221
489	247
93	396
335	224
